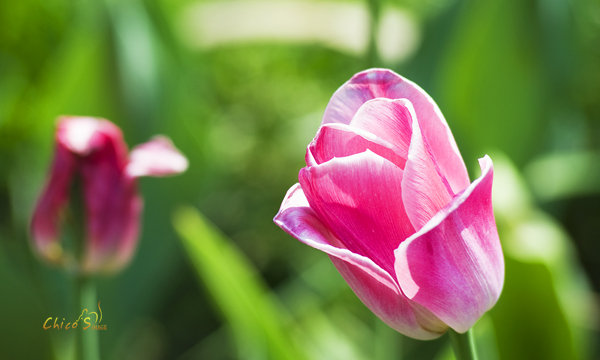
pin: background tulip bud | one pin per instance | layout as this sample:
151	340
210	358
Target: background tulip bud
386	195
91	159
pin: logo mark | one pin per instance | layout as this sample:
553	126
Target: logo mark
88	320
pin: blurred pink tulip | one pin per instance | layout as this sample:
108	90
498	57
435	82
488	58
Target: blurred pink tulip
91	156
386	195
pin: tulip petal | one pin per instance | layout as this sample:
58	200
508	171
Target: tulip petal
359	198
113	235
373	286
157	157
340	140
390	305
390	120
297	218
362	87
425	191
81	135
383	83
454	266
113	206
45	224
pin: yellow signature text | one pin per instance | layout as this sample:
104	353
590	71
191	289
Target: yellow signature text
87	320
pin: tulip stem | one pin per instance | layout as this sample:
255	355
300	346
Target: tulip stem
463	345
90	346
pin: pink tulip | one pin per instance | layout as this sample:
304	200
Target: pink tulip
386	195
91	156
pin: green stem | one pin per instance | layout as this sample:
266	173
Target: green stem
463	345
90	346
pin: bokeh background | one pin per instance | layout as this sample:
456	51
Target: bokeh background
240	86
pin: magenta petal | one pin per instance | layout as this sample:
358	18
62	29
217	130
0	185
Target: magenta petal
45	224
390	120
359	199
113	235
113	206
383	83
389	304
81	135
340	140
454	266
424	190
297	218
362	87
374	286
157	157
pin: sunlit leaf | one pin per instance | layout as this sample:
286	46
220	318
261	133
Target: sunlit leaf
258	323
545	301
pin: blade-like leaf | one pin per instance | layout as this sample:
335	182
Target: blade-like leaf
257	322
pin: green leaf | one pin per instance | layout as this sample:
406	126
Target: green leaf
490	81
259	325
545	301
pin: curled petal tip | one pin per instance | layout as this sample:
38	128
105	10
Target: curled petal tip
157	157
454	265
80	134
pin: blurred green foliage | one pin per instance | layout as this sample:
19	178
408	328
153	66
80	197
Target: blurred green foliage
520	78
237	290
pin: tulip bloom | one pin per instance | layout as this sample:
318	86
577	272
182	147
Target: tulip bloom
385	193
91	159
